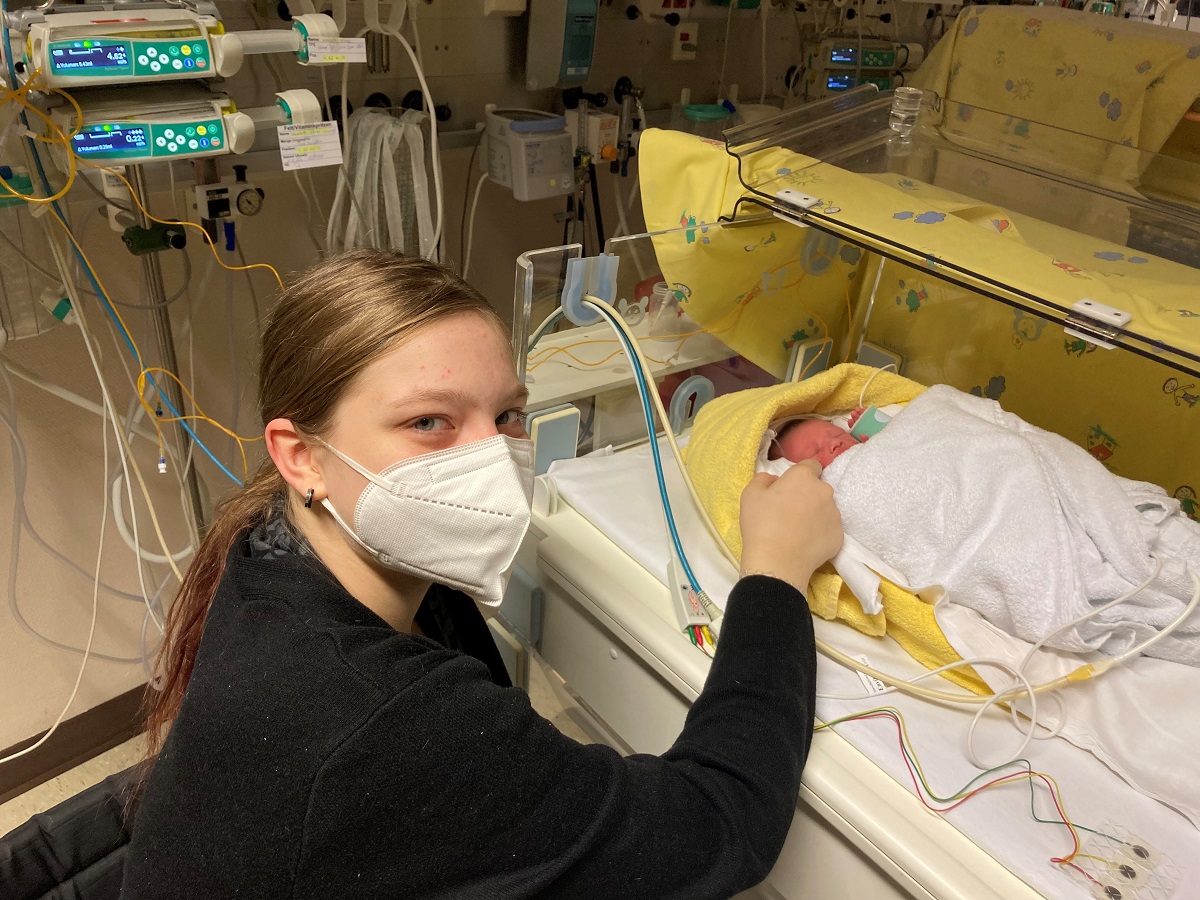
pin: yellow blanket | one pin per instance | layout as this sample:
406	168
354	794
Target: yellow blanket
720	460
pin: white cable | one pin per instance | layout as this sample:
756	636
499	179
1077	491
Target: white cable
20	471
1178	623
762	11
125	452
308	213
863	393
73	295
130	540
724	53
87	650
343	182
434	152
466	268
71	397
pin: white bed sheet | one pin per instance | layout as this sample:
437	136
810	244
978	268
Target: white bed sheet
617	493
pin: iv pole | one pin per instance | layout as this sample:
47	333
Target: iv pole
160	316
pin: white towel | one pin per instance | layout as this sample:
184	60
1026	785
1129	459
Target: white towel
1019	524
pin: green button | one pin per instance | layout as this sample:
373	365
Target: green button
191	131
174	50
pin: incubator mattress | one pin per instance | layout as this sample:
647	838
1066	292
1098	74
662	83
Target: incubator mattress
1139	720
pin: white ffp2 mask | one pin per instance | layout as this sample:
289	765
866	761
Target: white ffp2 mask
454	516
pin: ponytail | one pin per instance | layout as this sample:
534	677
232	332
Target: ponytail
252	504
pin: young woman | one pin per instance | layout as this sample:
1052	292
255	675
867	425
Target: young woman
335	721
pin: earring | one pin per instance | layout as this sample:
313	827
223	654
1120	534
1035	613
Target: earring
308	499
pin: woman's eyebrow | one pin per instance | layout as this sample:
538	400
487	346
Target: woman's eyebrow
432	395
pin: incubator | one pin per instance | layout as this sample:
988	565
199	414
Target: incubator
1051	272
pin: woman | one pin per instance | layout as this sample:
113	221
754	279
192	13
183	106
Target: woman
335	721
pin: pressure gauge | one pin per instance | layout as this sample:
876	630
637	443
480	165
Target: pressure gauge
250	201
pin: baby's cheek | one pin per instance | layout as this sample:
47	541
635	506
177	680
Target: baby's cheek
797	450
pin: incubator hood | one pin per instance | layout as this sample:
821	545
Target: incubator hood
1054	272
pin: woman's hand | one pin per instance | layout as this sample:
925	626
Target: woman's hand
790	524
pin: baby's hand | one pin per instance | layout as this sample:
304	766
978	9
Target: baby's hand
856	415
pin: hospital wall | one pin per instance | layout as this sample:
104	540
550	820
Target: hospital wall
469	61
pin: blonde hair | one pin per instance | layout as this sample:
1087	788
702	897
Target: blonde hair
330	324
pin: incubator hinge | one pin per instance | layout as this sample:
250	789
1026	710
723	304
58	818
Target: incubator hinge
1096	323
791	206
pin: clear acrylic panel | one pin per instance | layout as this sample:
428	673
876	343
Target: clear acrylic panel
1124	224
763	300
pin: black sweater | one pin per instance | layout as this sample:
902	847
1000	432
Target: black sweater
318	753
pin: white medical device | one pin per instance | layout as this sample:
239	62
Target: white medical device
104	47
150	124
562	38
529	152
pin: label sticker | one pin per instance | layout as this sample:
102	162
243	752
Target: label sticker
872	685
337	50
309	146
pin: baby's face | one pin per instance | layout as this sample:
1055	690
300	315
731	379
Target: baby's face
814	439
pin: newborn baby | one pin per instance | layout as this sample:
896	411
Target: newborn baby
817	439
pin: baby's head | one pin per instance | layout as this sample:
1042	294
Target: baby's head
811	439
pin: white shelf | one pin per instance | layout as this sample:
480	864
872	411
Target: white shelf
560	379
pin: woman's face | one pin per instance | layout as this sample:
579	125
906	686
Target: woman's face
453	382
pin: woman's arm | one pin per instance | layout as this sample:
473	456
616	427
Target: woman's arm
457	788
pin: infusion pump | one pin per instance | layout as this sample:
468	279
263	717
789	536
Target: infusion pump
840	63
135	45
91	48
150	124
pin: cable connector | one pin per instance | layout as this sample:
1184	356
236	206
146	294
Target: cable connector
162	465
59	307
684	600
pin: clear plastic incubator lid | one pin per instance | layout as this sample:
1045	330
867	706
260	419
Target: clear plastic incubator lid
1052	272
1038	217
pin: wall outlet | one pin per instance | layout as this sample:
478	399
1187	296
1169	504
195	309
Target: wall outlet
687	41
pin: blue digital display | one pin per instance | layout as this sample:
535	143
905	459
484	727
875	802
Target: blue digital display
115	140
97	56
844	55
840	82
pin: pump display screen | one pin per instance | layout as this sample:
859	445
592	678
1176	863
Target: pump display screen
843	55
110	140
149	58
82	56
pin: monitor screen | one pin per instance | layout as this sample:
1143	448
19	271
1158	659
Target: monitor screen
118	138
96	56
844	55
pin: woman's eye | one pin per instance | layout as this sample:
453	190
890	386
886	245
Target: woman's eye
427	423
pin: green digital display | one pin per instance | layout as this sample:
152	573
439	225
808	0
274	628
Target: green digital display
127	58
150	140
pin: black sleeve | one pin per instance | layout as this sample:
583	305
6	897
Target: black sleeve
452	619
464	791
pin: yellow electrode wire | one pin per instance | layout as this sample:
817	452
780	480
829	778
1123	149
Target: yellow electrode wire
207	239
143	371
58	136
